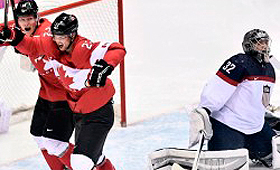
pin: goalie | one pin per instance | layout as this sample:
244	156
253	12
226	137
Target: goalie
234	102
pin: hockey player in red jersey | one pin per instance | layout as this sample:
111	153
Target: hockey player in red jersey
82	67
52	122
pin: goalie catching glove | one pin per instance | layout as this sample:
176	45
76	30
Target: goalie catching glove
10	35
101	70
199	123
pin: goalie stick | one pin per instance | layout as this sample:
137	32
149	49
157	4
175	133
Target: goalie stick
200	144
176	166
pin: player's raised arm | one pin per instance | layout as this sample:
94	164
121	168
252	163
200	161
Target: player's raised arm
103	67
25	44
115	54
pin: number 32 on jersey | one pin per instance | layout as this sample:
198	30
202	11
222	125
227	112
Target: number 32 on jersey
228	67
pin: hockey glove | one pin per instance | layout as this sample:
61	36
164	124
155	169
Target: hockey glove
5	34
101	70
199	122
12	36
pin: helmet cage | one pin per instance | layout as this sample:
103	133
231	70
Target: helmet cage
256	42
261	45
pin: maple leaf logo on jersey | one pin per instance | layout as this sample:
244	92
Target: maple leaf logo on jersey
65	79
40	64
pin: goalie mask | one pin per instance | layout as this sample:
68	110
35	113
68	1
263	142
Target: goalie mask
256	43
27	7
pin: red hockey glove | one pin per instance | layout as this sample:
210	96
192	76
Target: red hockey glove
101	70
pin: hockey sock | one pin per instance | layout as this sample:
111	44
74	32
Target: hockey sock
53	161
65	159
106	165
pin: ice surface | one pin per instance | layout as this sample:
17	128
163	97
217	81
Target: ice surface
128	148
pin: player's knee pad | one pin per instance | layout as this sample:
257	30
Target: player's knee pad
55	147
81	162
40	141
276	152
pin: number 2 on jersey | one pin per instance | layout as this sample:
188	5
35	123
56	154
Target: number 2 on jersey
228	67
87	44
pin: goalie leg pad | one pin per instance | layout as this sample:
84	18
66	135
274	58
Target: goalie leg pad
163	159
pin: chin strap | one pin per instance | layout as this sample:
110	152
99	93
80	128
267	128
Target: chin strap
72	40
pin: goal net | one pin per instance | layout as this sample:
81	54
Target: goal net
98	21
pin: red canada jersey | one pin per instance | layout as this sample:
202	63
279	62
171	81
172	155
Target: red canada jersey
50	89
74	68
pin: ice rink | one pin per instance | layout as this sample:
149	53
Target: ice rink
173	47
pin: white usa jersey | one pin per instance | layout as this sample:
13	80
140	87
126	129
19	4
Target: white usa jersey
239	92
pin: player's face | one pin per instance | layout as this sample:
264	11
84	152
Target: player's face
27	24
62	41
262	45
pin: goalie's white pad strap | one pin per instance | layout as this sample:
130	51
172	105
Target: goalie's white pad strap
163	159
81	162
276	152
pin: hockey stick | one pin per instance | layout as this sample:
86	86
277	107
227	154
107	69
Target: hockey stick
200	144
176	166
14	13
6	11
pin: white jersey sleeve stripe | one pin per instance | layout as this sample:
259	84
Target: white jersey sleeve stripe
99	52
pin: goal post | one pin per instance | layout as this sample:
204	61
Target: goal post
99	20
